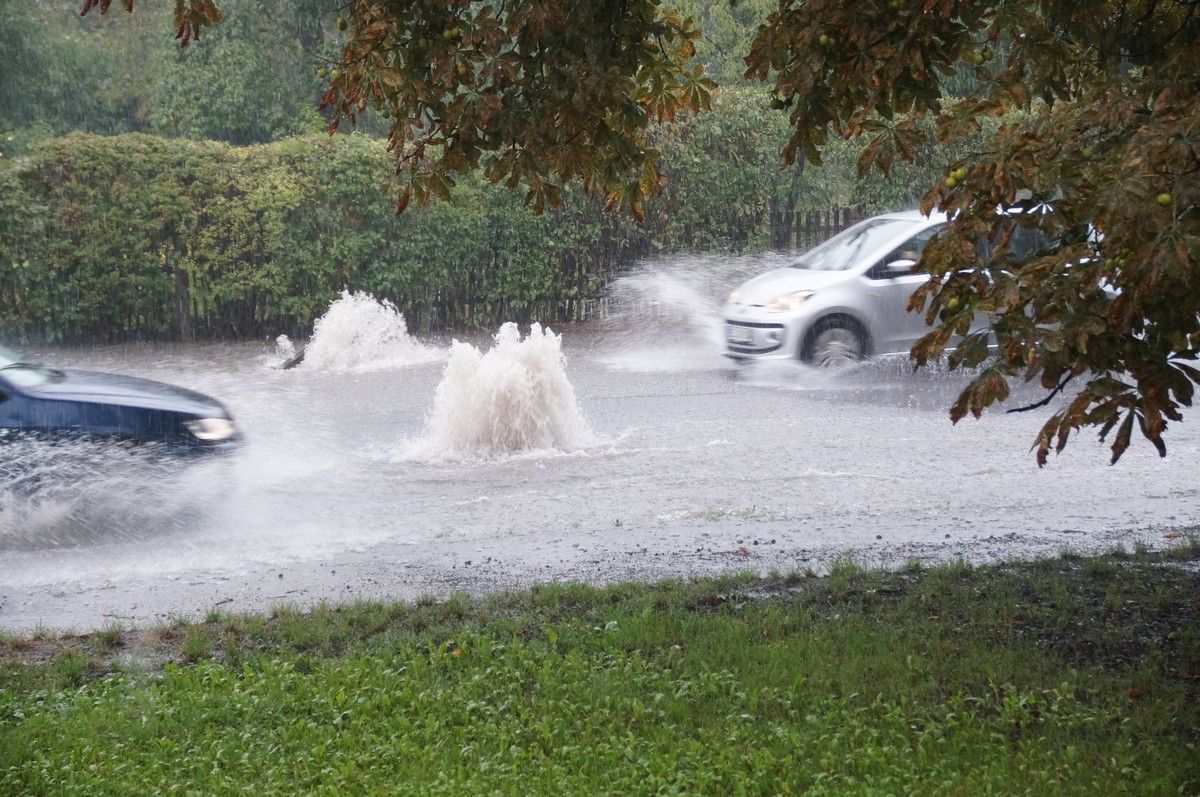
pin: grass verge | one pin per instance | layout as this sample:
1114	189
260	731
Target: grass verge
1068	676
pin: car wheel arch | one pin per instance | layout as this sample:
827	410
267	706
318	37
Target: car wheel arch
830	320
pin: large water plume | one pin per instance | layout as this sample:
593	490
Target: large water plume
515	397
360	333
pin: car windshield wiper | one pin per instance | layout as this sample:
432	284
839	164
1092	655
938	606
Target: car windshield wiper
20	364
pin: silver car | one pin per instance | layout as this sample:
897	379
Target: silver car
839	302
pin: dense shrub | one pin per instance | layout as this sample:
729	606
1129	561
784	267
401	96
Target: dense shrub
131	236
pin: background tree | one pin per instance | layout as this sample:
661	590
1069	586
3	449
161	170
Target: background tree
251	79
728	29
64	72
530	91
257	67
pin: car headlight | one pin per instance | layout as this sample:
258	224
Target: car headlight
733	298
210	430
789	301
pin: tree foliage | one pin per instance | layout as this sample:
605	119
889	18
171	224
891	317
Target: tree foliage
253	78
537	92
256	67
1105	162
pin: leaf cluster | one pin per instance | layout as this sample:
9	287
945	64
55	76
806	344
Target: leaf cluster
533	92
191	16
1101	165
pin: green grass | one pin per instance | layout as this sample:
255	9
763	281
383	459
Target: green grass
1073	675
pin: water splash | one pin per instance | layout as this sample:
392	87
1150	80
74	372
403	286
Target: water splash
283	355
360	333
67	493
285	349
515	397
666	314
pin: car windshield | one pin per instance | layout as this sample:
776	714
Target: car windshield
848	248
20	372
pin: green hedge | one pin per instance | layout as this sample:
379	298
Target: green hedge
131	236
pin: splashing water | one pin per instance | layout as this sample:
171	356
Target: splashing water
65	493
515	397
666	315
284	348
360	333
283	356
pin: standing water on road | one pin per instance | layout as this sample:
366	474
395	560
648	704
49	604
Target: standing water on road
551	457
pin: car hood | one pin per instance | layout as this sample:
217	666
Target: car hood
129	391
765	287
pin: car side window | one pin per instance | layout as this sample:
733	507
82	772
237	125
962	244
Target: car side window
1024	243
983	249
909	250
1029	242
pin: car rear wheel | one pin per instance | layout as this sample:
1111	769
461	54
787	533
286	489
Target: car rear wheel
835	345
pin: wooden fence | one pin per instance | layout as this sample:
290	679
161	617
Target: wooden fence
803	229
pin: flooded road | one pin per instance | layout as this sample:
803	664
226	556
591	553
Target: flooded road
580	454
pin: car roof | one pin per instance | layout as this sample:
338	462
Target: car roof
937	217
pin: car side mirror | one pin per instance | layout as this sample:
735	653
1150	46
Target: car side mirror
902	266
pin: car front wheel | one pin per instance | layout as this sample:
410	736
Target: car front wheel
835	346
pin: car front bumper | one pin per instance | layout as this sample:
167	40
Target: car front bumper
757	340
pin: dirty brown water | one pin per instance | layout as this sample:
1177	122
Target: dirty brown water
390	468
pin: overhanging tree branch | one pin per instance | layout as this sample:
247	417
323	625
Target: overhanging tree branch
1047	399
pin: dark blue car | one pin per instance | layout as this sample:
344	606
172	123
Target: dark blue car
52	403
